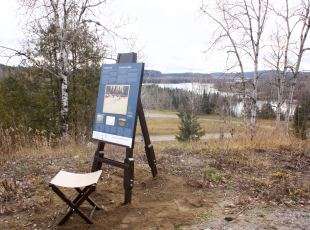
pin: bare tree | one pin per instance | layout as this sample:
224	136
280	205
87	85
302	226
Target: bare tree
304	18
241	23
287	52
275	61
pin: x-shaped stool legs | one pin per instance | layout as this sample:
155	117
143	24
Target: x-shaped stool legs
77	201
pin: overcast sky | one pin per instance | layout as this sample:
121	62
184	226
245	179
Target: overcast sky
172	34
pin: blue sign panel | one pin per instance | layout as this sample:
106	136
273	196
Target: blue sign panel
118	94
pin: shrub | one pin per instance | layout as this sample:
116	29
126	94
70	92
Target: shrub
302	117
190	128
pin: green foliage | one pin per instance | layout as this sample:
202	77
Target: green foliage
302	117
83	89
208	103
189	129
266	112
29	100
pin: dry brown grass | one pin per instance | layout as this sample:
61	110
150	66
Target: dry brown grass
267	139
264	139
14	140
168	123
166	126
271	168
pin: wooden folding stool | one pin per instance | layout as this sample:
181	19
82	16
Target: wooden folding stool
84	184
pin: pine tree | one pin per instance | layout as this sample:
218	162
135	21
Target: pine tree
208	103
266	112
189	129
302	118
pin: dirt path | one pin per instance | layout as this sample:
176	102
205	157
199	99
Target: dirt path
260	218
155	115
160	138
160	115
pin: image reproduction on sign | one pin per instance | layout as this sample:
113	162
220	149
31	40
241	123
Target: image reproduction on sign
116	99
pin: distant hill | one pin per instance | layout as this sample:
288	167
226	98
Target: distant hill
152	73
155	76
248	75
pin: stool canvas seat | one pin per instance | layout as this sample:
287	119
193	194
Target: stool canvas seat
84	184
75	180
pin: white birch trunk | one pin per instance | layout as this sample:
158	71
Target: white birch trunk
64	105
63	70
279	101
289	104
254	99
64	89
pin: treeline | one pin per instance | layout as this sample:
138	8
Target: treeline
29	102
158	98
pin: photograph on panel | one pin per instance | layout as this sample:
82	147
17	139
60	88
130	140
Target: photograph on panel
116	99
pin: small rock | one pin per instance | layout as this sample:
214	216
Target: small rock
228	218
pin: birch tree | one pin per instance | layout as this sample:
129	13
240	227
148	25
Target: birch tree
57	28
304	19
241	25
288	49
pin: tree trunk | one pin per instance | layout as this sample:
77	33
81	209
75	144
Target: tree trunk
279	100
253	113
254	98
289	105
64	70
64	105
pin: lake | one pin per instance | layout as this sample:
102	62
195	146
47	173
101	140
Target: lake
199	88
195	87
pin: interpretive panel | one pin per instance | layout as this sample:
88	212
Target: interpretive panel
116	110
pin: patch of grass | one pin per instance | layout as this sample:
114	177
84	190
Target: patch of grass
212	175
210	123
205	216
159	126
178	226
170	126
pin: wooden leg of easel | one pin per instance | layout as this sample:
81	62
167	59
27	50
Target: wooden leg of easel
149	150
99	154
128	175
150	155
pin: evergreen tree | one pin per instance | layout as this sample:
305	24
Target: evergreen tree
208	103
266	112
189	129
302	117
